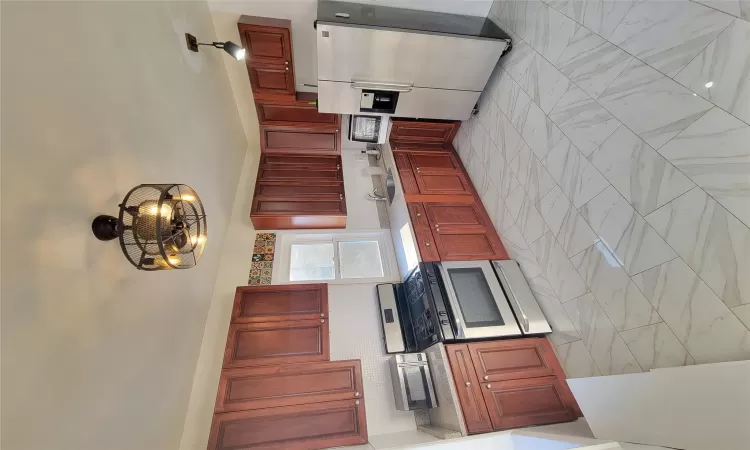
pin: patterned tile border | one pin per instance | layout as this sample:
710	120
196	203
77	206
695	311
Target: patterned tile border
261	267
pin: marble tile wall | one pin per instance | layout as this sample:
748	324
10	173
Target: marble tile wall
612	152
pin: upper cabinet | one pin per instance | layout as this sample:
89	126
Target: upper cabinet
269	55
421	131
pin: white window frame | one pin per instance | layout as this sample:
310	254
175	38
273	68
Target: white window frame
285	239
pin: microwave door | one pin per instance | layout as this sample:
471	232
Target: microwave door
479	305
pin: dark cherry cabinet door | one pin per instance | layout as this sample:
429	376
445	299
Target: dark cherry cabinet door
304	115
267	343
420	146
510	360
402	161
434	162
280	302
272	386
468	245
468	389
271	79
297	140
299	427
427	248
528	401
442	183
266	41
423	131
418	216
445	216
331	191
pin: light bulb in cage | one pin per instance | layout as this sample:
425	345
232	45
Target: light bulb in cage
159	226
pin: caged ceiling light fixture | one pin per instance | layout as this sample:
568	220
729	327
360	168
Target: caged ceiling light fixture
159	226
230	47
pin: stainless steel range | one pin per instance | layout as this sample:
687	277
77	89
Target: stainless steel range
456	301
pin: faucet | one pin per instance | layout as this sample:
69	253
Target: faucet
374	196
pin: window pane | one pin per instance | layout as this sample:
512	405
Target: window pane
360	259
311	262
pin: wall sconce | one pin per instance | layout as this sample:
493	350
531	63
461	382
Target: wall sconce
160	227
230	47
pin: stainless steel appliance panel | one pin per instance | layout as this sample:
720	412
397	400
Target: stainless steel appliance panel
341	98
394	340
479	305
424	59
518	292
412	382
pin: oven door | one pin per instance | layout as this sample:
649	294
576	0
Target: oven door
479	306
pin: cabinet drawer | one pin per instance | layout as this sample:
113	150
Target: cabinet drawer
531	401
467	245
270	386
275	303
423	131
513	359
295	140
301	161
427	248
434	162
310	426
295	174
446	216
442	183
334	191
418	216
298	206
402	162
299	115
469	391
419	147
269	343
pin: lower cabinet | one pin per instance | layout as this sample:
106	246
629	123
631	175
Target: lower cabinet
308	426
509	384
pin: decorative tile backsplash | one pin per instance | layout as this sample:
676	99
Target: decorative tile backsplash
611	156
261	266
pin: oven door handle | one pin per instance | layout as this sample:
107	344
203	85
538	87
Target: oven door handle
382	86
511	296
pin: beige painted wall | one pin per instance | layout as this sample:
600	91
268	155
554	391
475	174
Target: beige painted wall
97	98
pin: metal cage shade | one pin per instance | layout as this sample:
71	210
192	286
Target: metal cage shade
162	227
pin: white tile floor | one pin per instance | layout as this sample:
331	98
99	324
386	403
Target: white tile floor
624	196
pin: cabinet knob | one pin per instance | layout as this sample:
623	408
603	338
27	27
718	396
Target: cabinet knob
486	378
437	225
468	384
338	167
341	196
426	244
356	394
286	62
287	68
356	402
489	386
417	169
322	315
419	215
322	321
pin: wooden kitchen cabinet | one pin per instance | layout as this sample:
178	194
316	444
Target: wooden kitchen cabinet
420	146
268	343
268	43
330	191
290	139
443	184
426	162
272	386
520	381
298	427
470	397
280	302
455	215
427	248
302	112
468	244
410	130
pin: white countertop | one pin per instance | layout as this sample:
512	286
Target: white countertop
402	232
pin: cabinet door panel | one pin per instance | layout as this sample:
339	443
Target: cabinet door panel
442	183
525	402
271	79
513	359
278	114
271	386
468	389
434	162
463	245
301	206
422	131
418	216
266	44
455	215
295	140
297	174
299	427
316	162
267	343
285	302
427	248
402	162
280	190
